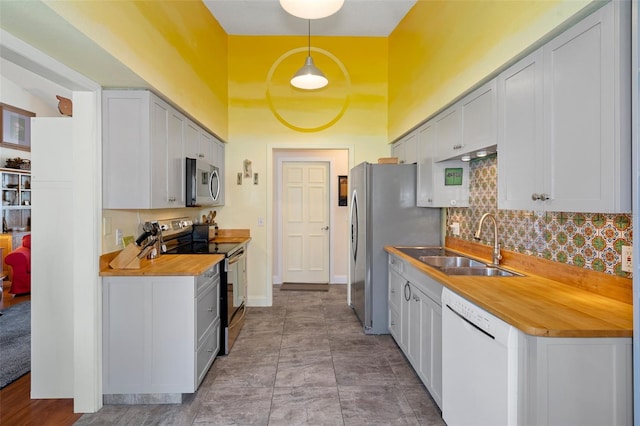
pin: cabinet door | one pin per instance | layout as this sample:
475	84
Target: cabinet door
397	150
191	140
426	148
175	160
579	82
479	115
448	133
414	324
159	153
206	147
520	133
430	365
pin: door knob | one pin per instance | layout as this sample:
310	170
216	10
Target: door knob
326	228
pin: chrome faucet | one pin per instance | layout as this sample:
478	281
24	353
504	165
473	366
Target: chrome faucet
496	245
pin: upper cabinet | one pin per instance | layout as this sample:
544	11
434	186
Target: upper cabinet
439	184
469	125
564	120
405	149
145	142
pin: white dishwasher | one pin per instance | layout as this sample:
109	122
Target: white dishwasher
479	365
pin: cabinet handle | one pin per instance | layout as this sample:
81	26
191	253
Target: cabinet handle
540	197
393	291
407	297
200	155
457	146
210	309
416	298
210	350
393	323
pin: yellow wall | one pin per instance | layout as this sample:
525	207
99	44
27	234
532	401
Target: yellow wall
266	113
443	48
176	46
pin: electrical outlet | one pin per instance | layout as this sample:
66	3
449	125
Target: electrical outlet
455	229
261	221
118	237
627	258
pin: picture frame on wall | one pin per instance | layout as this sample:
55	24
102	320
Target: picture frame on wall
15	127
343	189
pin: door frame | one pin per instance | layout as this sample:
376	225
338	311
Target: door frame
272	172
279	223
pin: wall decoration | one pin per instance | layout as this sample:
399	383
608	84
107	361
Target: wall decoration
15	127
246	166
65	106
343	190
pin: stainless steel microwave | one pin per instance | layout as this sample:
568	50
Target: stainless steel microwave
203	183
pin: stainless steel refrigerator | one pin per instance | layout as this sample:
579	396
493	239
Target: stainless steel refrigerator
383	212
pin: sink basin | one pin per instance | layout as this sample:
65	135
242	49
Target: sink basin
483	271
450	261
417	252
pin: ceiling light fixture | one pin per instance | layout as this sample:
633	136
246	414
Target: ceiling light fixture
465	158
309	77
481	154
311	9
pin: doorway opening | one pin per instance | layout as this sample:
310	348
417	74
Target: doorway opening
305	185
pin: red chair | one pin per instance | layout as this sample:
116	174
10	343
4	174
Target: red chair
19	261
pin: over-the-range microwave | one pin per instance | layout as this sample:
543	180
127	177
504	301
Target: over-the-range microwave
203	183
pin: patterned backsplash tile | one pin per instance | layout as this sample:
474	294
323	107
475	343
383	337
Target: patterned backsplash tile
589	240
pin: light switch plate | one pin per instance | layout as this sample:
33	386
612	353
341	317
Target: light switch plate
627	258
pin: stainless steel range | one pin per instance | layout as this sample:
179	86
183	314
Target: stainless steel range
182	236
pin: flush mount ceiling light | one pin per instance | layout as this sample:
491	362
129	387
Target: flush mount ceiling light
309	77
465	158
481	154
311	9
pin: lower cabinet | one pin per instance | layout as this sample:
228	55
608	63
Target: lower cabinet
160	333
575	381
415	321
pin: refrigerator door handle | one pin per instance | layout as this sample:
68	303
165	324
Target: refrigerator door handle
354	225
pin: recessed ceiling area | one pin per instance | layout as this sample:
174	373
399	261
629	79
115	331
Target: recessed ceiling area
358	18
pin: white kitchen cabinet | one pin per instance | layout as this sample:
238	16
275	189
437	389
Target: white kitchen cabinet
142	151
439	184
406	149
469	125
564	120
160	334
414	300
576	381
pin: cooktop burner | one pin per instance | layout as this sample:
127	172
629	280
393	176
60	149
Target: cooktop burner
203	248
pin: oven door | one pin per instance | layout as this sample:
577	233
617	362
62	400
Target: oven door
236	280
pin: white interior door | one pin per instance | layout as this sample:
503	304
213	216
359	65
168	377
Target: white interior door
305	229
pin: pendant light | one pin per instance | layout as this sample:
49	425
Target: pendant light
309	77
311	9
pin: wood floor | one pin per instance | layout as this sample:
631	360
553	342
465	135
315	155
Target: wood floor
16	405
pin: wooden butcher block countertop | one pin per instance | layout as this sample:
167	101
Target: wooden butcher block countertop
549	301
165	265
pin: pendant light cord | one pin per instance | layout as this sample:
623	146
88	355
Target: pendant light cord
309	38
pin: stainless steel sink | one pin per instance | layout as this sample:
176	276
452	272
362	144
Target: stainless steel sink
417	252
483	271
450	261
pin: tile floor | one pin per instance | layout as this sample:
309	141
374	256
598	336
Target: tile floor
303	361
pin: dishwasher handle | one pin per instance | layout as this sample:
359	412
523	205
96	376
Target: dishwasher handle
470	323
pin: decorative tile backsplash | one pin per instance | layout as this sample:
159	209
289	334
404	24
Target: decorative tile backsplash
589	240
